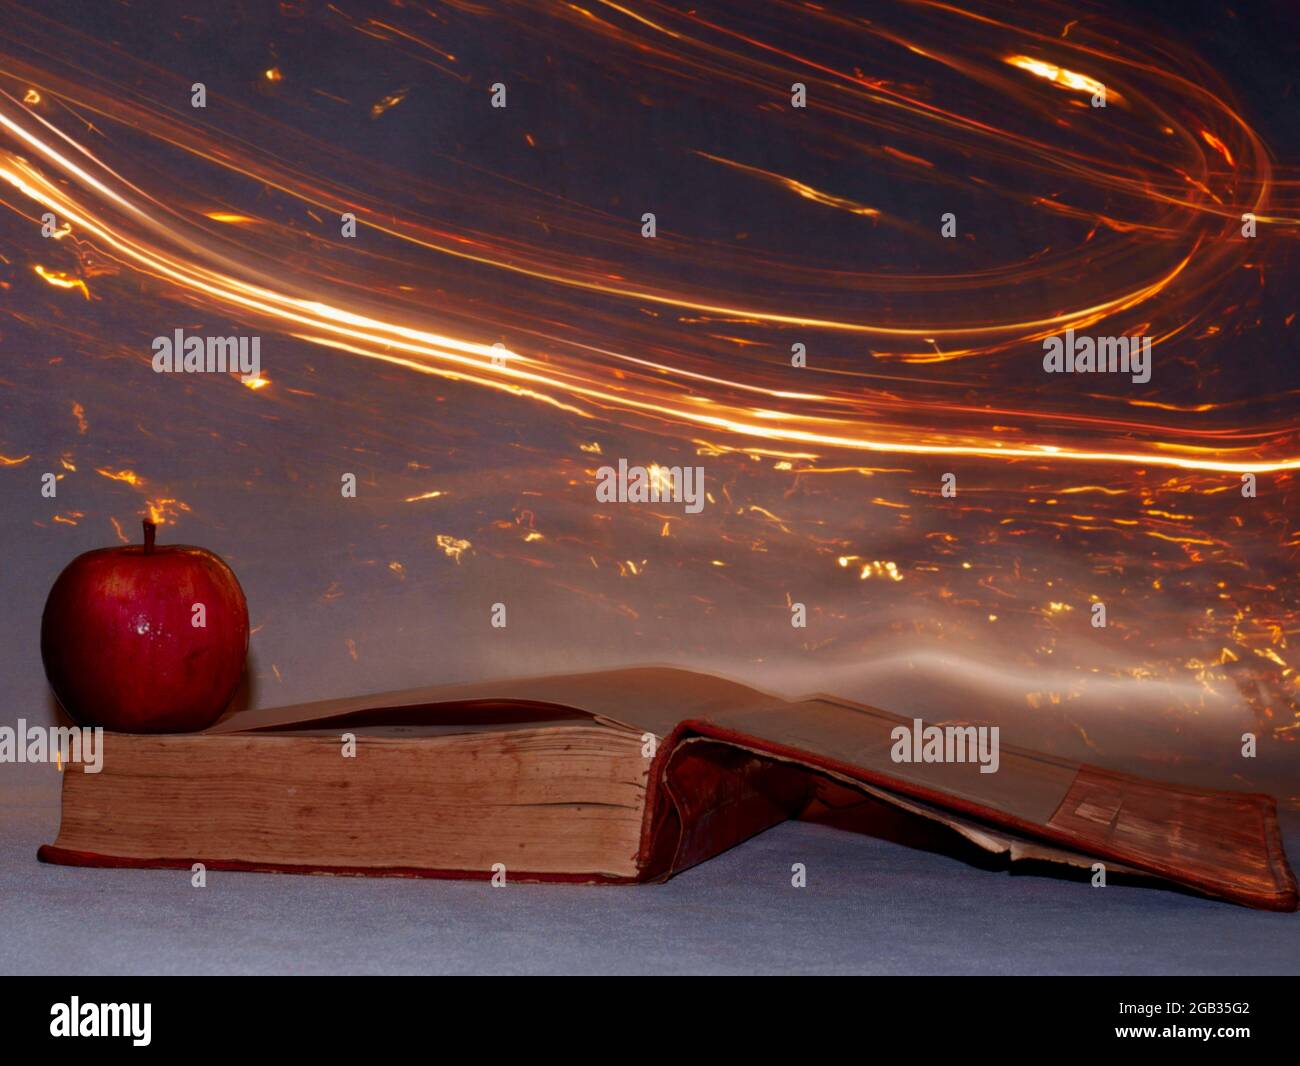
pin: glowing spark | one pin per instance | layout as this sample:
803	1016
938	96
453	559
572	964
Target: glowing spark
61	280
806	191
876	568
1093	488
165	509
661	479
454	547
639	18
389	101
425	496
129	476
1218	146
1066	79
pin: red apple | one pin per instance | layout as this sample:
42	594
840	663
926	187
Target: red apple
121	645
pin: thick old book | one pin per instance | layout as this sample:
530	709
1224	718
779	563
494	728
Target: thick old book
620	776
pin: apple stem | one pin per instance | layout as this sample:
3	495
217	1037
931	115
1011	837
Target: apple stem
150	531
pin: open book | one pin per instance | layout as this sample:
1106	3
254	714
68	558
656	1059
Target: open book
620	776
